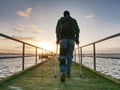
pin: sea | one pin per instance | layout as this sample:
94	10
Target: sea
9	66
106	64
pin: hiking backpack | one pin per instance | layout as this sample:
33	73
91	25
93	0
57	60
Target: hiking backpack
67	26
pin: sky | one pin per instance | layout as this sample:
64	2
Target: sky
34	21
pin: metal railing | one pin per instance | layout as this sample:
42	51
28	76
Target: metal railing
94	50
46	52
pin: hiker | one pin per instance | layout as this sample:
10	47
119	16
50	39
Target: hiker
67	33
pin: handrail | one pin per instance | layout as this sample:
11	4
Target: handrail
106	38
94	47
6	36
23	49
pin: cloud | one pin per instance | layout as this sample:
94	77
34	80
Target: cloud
29	39
19	28
37	31
43	18
23	38
31	28
89	17
25	13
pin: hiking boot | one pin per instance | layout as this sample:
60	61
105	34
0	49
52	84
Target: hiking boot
62	79
68	76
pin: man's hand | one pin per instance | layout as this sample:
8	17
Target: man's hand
77	42
57	42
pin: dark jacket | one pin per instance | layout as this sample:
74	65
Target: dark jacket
76	28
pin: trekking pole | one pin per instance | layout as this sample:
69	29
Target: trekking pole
79	62
55	73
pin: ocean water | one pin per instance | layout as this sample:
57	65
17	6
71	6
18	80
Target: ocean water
107	66
12	65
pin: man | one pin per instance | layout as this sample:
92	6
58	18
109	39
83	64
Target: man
67	33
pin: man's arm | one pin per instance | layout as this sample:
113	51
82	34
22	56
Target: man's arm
77	32
58	31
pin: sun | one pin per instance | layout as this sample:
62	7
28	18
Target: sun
46	45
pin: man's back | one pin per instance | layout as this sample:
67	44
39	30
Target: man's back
67	28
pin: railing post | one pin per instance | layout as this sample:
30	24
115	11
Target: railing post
42	55
45	54
94	56
23	56
36	56
81	54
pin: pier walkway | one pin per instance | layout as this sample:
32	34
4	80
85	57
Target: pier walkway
41	77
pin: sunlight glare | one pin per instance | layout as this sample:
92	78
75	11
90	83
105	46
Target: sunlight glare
46	45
